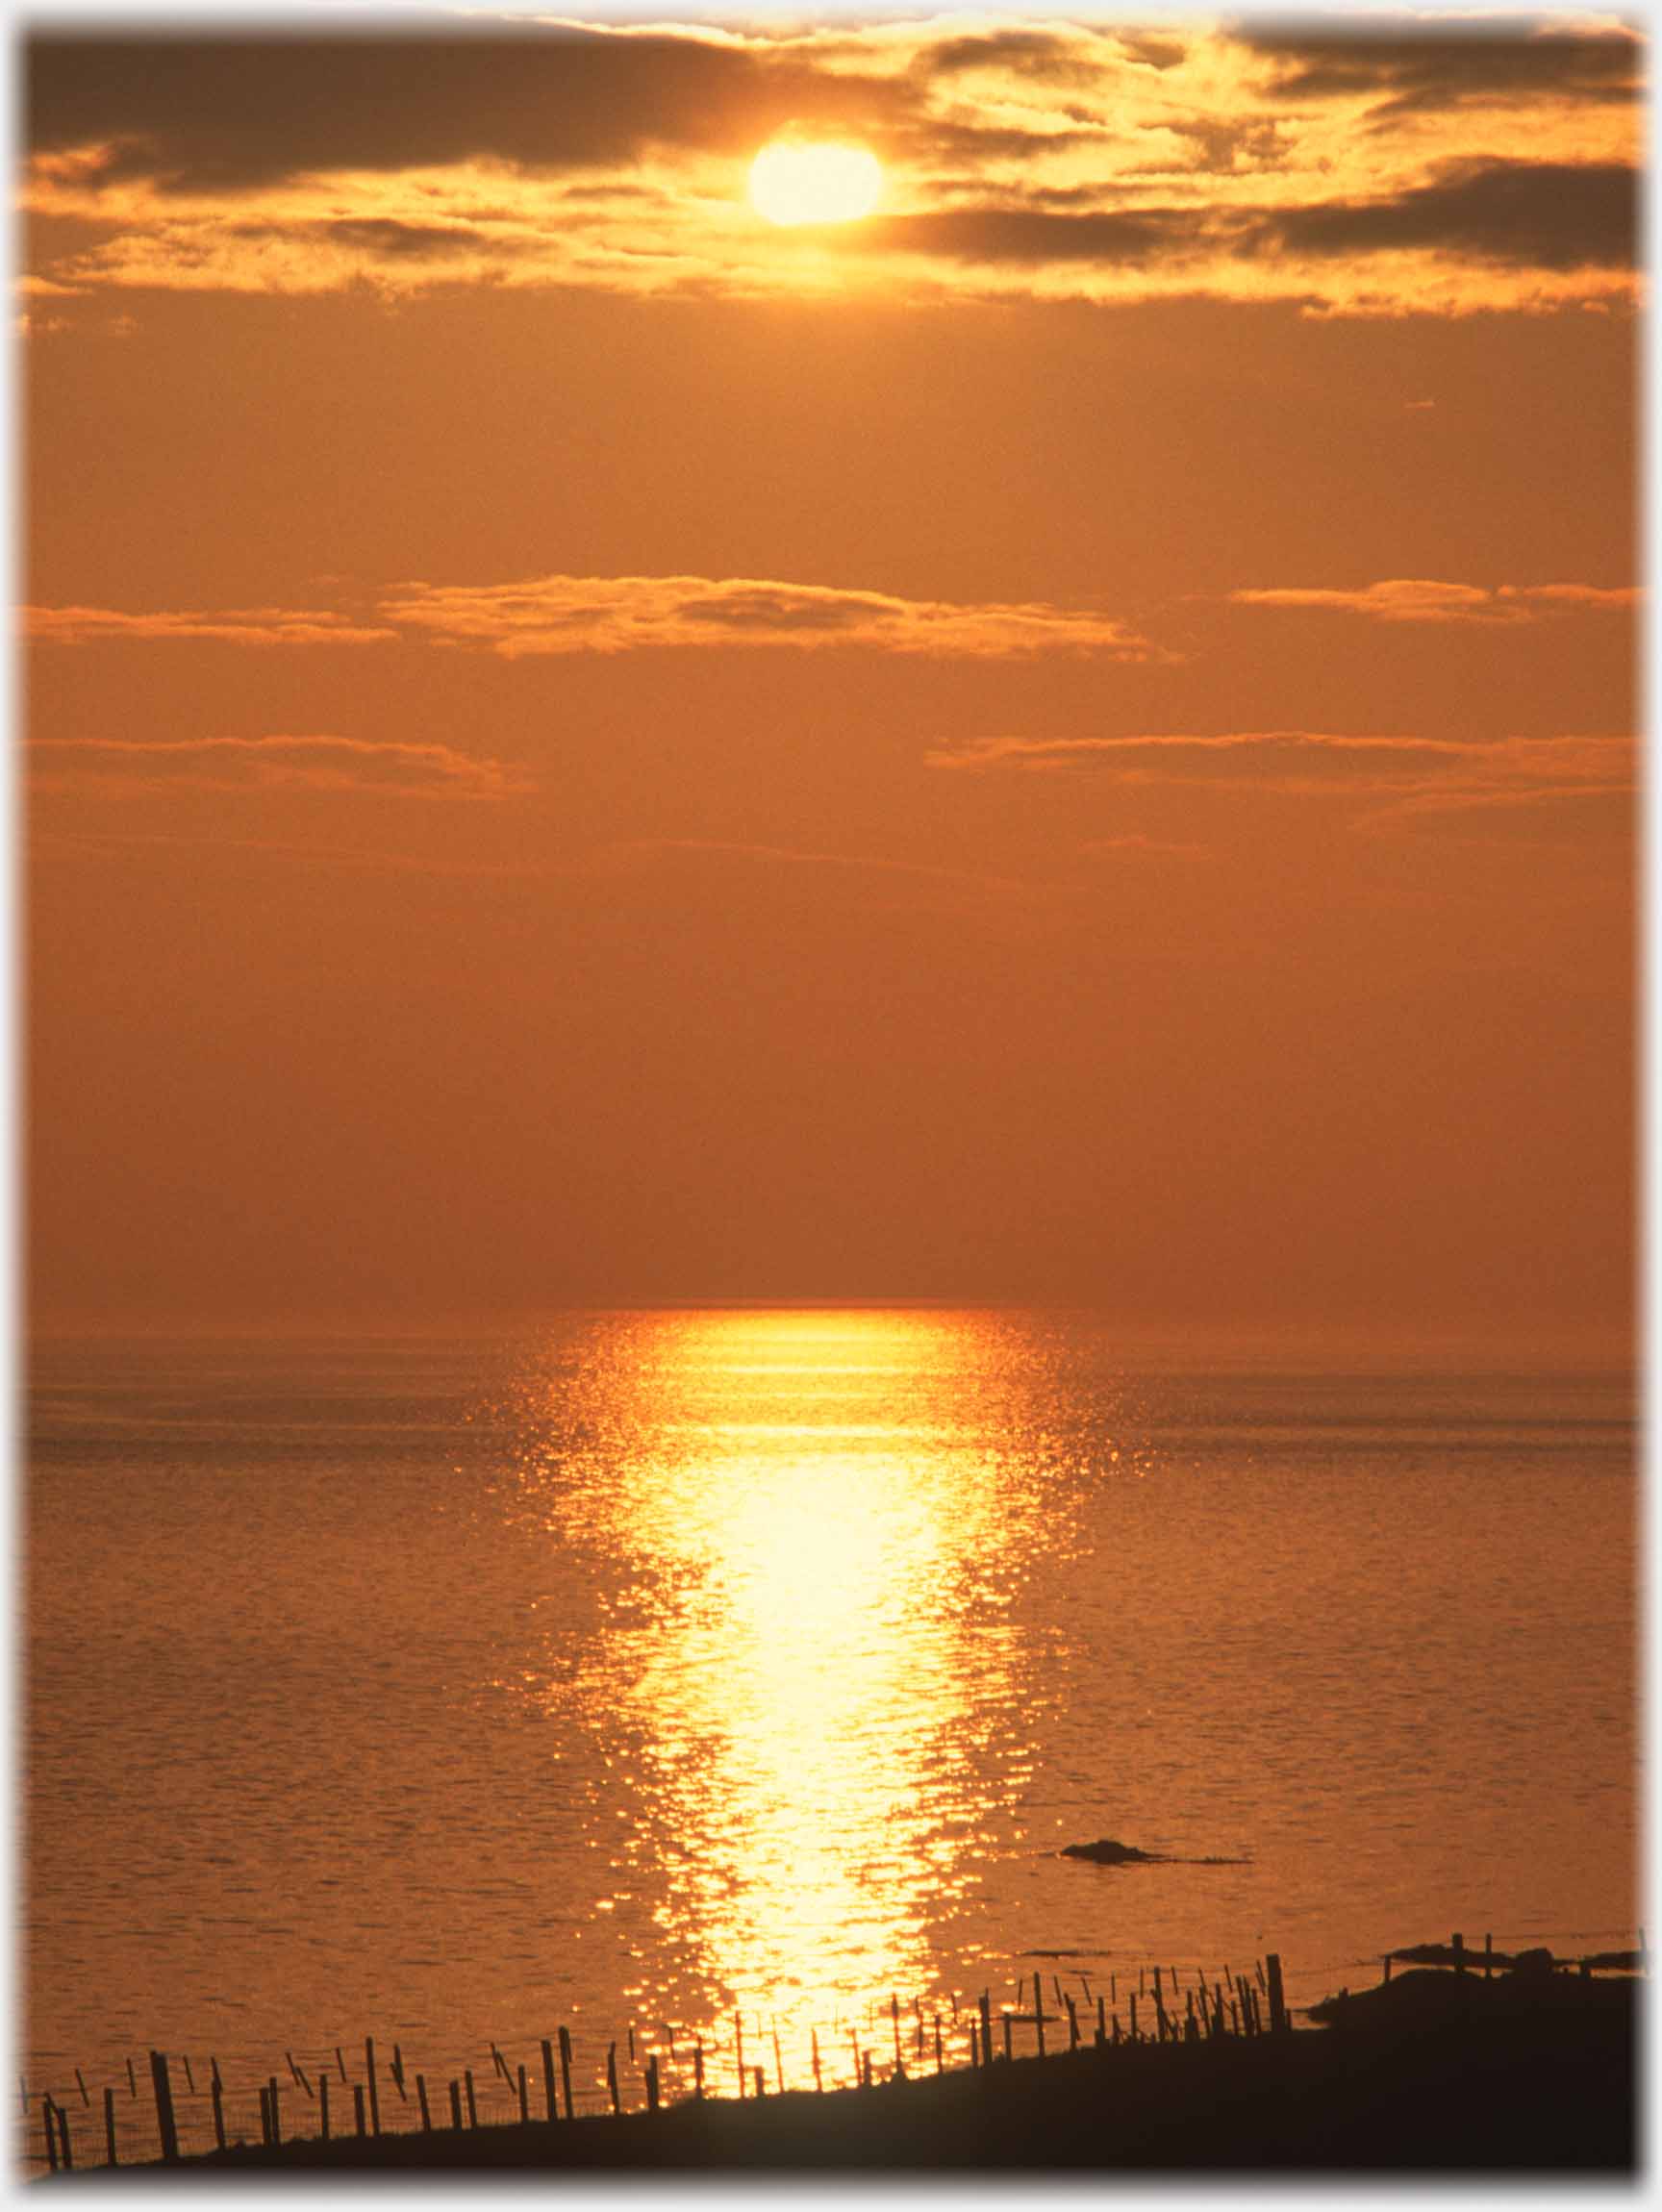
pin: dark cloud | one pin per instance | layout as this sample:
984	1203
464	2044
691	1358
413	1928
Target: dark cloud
1041	55
1524	214
1503	62
1257	142
989	141
762	608
229	114
384	236
1536	214
1030	235
1153	51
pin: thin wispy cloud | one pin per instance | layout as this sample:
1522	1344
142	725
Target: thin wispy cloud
300	764
623	613
235	626
1414	773
628	613
1423	599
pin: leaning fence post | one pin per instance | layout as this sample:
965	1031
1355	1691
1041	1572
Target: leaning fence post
566	2070
164	2125
612	2075
369	2078
421	2101
46	2111
217	2097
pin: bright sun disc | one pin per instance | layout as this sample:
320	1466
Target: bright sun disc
801	184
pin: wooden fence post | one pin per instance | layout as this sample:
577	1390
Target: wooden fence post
472	2100
421	2104
612	2077
986	2009
565	2072
524	2097
358	2114
164	2124
550	2093
456	2106
217	2097
1457	1943
110	2126
1279	2023
322	2104
651	2082
1039	2009
369	2078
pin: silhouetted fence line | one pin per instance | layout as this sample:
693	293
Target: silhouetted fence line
549	2078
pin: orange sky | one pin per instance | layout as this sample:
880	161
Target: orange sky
1072	741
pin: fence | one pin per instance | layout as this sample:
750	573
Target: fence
175	2104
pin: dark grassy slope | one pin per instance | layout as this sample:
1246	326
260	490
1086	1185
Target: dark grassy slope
1434	2072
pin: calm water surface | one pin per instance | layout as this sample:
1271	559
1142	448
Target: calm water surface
654	1666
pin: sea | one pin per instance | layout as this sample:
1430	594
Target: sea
725	1686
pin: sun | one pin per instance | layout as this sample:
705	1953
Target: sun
793	182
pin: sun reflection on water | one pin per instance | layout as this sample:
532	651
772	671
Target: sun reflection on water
812	1688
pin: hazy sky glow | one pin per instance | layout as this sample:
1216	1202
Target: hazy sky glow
1072	739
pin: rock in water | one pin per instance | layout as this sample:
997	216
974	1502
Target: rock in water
1108	1853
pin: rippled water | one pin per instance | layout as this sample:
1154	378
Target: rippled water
653	1667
